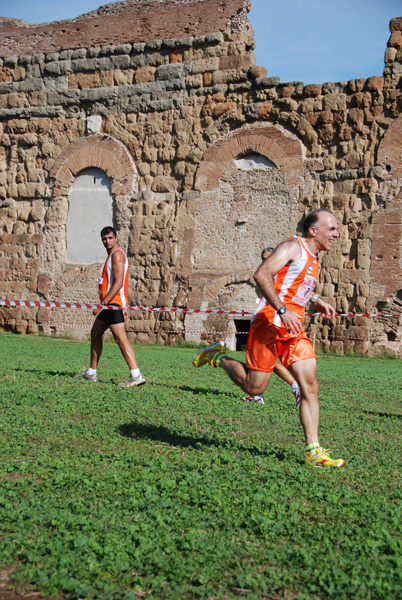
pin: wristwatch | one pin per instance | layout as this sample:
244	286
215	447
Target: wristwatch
315	298
281	311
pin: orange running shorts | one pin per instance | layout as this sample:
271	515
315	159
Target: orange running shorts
266	343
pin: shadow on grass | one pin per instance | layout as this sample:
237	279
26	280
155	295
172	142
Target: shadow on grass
50	372
163	434
194	390
382	414
65	374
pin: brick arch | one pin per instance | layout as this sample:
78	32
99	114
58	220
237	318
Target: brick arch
390	149
100	151
275	143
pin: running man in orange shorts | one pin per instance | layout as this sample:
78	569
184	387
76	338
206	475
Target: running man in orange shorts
287	280
279	369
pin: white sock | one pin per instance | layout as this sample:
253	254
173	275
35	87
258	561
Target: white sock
91	371
134	372
295	386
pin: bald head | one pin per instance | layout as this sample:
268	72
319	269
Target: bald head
313	219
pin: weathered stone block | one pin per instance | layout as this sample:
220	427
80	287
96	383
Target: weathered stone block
144	74
195	80
172	71
164	184
353	276
103	63
234	61
17	100
312	90
56	83
257	72
38	213
331	261
334	102
5	74
85	65
346	289
202	66
223	107
328	290
120	61
123	77
364	186
61	67
176	56
90	80
228	76
374	83
19	228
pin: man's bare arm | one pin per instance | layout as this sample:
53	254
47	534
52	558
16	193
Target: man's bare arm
118	279
118	276
326	310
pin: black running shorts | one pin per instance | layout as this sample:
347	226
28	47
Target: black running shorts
111	317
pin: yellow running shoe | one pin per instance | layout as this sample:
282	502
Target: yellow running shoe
319	457
202	357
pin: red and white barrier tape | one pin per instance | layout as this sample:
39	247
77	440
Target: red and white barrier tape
48	304
182	331
177	331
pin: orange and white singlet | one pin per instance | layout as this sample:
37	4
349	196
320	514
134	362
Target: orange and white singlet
295	284
106	281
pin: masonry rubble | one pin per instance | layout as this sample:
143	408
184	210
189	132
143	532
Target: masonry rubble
167	108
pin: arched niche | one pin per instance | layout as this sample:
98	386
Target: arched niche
97	151
90	207
279	146
248	186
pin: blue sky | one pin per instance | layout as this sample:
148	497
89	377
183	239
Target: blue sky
313	41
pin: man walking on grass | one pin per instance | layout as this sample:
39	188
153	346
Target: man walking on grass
113	290
287	280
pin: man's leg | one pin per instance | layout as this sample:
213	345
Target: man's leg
305	373
98	329
283	373
120	336
251	382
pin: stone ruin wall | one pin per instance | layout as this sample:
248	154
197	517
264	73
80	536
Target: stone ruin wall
166	99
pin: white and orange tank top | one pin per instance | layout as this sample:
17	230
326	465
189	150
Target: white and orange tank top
294	283
106	281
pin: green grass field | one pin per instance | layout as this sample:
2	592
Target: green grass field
179	490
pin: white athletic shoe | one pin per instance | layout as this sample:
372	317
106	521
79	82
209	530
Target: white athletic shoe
258	398
85	377
296	393
132	382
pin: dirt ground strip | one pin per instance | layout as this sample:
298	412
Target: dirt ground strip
10	591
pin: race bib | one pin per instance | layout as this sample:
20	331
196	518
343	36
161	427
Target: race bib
305	290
